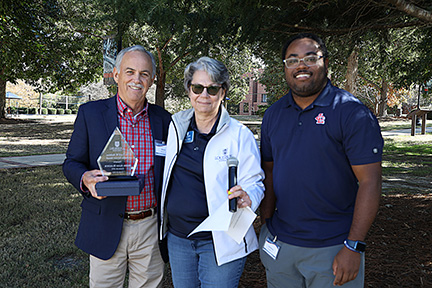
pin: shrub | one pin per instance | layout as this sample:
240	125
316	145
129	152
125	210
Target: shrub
52	111
68	111
44	111
32	110
22	110
60	111
262	109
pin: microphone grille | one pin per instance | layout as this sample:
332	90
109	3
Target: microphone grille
232	162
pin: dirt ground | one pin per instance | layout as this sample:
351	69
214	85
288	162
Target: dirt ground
399	252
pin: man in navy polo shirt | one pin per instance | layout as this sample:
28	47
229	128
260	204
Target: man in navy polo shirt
321	153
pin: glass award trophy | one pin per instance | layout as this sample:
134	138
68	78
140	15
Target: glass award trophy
118	162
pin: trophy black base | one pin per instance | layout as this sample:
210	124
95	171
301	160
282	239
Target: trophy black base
121	186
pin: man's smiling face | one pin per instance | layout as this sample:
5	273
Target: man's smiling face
134	78
303	80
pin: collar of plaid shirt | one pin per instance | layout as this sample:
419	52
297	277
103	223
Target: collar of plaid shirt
137	132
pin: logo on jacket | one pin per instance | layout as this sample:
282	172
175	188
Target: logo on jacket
224	155
320	119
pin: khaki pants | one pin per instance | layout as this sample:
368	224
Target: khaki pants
137	251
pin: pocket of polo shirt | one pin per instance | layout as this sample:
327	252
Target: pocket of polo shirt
90	207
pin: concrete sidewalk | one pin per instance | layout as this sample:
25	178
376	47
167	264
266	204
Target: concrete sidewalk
405	132
31	161
57	159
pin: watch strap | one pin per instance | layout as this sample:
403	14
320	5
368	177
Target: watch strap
355	246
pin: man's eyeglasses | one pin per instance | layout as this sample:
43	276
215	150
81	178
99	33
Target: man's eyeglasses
211	90
310	60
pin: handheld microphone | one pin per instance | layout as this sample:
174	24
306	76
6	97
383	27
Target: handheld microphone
232	163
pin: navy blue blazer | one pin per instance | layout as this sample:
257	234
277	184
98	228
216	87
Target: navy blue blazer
102	220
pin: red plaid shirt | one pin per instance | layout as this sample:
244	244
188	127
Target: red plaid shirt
136	130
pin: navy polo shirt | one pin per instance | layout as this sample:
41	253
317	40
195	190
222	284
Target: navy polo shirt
187	201
312	151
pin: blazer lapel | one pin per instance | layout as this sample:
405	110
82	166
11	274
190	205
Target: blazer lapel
110	115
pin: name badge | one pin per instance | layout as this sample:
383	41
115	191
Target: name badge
160	148
189	137
271	248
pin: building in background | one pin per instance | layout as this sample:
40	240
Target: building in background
256	96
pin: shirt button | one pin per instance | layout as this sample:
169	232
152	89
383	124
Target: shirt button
196	149
300	123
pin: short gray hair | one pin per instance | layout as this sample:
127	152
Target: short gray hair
135	48
217	71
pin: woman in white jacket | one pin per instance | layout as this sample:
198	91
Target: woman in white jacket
200	141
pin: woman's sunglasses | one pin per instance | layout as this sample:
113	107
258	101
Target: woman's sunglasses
211	90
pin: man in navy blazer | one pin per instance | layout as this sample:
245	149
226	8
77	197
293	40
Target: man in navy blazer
107	228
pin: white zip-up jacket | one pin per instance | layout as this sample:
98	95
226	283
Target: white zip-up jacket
231	139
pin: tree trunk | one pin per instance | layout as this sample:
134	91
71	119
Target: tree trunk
2	98
382	106
352	72
160	89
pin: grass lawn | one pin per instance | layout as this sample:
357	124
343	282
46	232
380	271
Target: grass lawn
34	138
407	164
40	214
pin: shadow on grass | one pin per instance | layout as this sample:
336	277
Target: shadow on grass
40	215
409	164
34	138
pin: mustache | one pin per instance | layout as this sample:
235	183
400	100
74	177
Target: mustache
303	72
135	85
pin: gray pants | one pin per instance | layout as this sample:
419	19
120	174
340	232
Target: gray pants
301	267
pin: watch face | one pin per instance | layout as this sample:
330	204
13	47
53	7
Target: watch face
360	246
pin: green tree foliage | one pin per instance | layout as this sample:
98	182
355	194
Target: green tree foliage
176	31
385	34
60	41
38	46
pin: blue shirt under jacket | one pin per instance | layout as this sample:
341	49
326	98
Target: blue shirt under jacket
187	201
312	151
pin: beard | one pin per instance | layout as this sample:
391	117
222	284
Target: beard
309	88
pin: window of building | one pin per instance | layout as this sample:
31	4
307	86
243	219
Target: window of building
254	91
264	98
245	107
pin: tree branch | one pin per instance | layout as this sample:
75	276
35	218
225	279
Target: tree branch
412	9
341	31
167	42
370	82
179	58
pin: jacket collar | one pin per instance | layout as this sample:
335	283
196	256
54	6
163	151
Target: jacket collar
182	120
110	115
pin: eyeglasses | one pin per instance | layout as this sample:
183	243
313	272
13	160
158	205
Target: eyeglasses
211	90
310	60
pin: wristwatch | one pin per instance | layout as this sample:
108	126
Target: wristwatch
356	246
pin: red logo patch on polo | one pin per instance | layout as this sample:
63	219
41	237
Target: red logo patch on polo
320	119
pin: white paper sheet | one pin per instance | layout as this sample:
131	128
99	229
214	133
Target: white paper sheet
234	224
